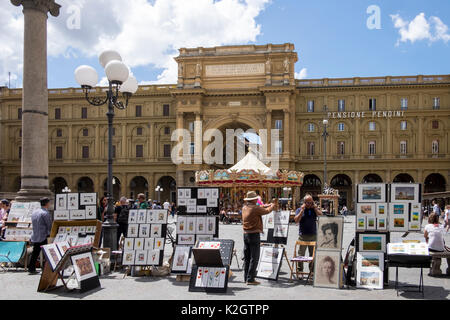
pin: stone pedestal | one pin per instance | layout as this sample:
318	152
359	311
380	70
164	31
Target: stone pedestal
35	182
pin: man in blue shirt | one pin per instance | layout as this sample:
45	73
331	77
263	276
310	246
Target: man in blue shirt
306	216
42	224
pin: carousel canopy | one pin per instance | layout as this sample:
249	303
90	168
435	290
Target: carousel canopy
251	161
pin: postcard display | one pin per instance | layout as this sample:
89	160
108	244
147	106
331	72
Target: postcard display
75	206
382	208
19	226
211	270
328	265
275	227
146	237
61	255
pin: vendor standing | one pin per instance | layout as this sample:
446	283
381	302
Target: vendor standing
42	224
306	216
253	226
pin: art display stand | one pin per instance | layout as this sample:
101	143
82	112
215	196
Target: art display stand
82	223
49	278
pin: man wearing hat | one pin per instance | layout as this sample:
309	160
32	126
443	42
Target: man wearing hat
253	226
42	224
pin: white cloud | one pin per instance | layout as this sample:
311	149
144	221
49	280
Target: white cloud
420	28
146	33
303	74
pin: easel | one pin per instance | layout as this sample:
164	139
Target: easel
277	245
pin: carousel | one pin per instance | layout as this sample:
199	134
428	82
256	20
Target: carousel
251	174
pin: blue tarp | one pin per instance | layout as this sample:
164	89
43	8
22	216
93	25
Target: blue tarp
15	249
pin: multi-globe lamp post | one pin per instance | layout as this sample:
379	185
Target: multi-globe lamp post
120	81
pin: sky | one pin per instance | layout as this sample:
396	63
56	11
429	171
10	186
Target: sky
333	39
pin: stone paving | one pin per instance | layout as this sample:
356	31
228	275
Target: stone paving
20	285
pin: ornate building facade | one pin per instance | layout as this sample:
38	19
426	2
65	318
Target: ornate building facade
380	129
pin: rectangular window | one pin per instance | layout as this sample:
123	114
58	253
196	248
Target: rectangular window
139	131
85	152
311	106
166	130
59	152
372	104
404	104
311	127
19	114
59	133
341	126
403	125
85	132
341	105
311	148
341	147
192	148
167	150
435	124
435	147
278	147
372	148
166	110
279	124
139	151
191	126
113	151
138	111
403	149
372	126
436	103
83	113
57	113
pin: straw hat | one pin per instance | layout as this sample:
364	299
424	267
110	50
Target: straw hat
251	195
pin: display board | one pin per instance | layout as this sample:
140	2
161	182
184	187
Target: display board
275	227
370	269
209	279
146	237
269	264
18	224
75	206
77	232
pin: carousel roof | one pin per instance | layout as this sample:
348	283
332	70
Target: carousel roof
251	161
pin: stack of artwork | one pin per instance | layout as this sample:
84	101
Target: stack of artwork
75	235
275	227
75	206
417	249
144	245
370	269
19	227
328	259
269	264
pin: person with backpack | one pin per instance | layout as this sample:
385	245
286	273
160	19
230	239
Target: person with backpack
121	212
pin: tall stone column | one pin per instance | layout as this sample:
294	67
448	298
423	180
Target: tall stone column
286	133
35	99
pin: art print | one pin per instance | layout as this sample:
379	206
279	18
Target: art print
381	210
77	214
181	225
153	258
141	216
204	237
209	245
61	215
208	193
83	266
182	202
88	199
149	243
62	246
211	225
186	239
132	216
191	225
369	278
365	208
90	229
181	258
72	201
281	231
89	239
181	194
52	254
61	202
264	235
415	212
405	192
327	269
141	257
187	193
212	203
156	231
372	242
191	209
397	248
371	223
82	229
281	217
91	212
201	209
128	257
330	233
267	270
75	230
144	230
133	230
161	216
159	244
370	260
72	239
414	226
139	244
381	224
192	202
269	222
372	192
151	216
200	226
60	237
398	219
360	223
271	254
201	194
214	193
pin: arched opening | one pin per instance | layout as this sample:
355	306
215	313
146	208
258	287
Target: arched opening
58	184
372	178
311	185
343	183
116	187
168	185
85	184
403	178
138	185
435	182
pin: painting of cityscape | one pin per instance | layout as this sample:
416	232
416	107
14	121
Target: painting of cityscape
372	192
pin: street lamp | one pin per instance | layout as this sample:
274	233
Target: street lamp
325	135
159	190
66	190
119	80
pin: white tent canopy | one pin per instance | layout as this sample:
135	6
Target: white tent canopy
251	161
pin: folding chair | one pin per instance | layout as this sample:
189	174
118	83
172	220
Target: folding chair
302	259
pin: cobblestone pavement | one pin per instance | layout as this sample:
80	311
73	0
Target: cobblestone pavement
20	285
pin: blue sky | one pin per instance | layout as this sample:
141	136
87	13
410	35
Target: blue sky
331	37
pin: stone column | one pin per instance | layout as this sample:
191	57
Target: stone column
152	142
269	132
35	99
421	139
70	144
286	133
180	178
124	142
388	140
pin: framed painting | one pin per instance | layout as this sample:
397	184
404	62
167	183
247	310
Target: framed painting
186	239
128	257
264	235
201	209
83	265
372	242
191	209
200	226
181	194
208	193
156	230
269	221
201	194
62	246
151	216
133	230
214	193
330	233
128	244
159	244
181	258
365	208
203	237
367	259
141	216
371	222
416	212
72	201
182	202
360	223
271	254
61	215
327	269
372	192
181	225
141	257
190	225
414	226
153	257
281	231
149	243
160	216
212	203
398	218
91	212
52	254
139	244
88	199
397	248
267	270
77	214
405	192
187	193
60	237
381	210
132	216
369	278
281	217
144	230
382	223
61	202
192	202
210	225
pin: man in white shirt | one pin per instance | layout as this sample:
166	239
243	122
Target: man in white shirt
166	205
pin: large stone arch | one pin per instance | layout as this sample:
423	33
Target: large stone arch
223	121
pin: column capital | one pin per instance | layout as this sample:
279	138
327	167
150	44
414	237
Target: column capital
41	5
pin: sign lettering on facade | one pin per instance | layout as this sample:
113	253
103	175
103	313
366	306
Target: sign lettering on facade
363	114
234	69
